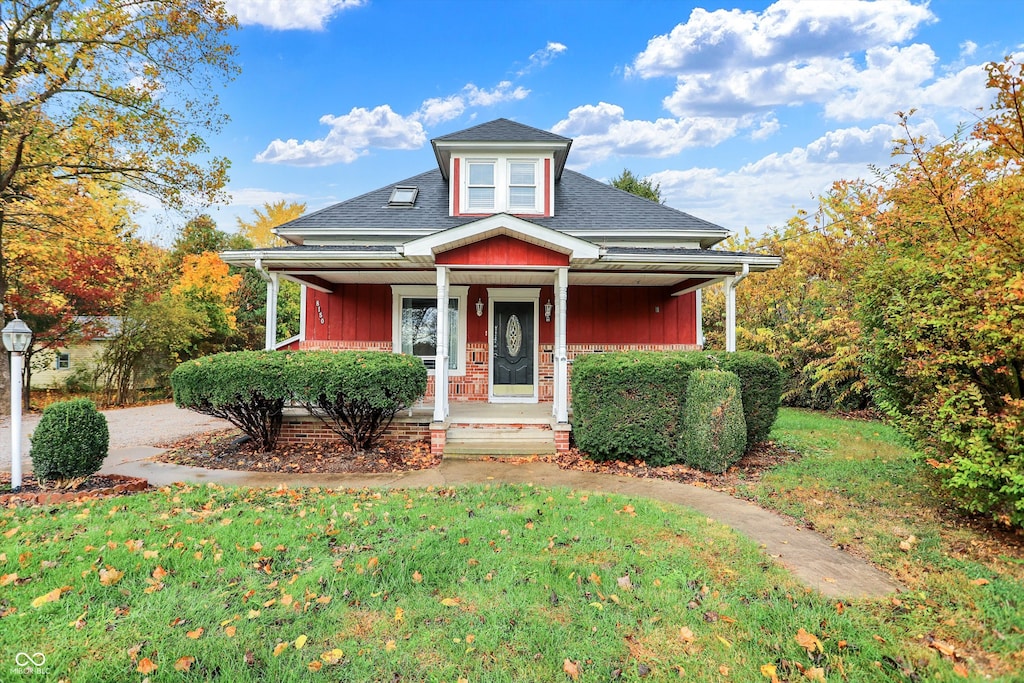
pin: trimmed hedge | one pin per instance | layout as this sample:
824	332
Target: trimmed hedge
71	440
630	404
714	433
356	394
761	383
246	388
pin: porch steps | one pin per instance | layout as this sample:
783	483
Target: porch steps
500	440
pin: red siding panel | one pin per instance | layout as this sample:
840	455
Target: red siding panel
502	250
353	312
630	315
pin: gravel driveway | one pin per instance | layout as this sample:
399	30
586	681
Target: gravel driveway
141	426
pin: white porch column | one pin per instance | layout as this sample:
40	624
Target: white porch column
730	307
561	352
273	286
700	317
441	359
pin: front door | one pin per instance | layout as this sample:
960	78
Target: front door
513	345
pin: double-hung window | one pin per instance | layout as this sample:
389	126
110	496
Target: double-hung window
63	360
480	186
522	186
415	325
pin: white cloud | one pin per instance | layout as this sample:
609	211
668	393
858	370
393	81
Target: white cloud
787	31
351	136
283	15
768	191
503	92
968	48
543	57
768	127
257	196
438	109
600	130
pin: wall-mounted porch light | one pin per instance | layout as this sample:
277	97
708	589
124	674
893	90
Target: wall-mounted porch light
479	307
547	311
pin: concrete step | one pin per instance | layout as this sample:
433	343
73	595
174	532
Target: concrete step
470	441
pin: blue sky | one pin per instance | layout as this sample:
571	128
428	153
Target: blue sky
743	111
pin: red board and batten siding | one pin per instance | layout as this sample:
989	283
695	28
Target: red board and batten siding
596	315
501	250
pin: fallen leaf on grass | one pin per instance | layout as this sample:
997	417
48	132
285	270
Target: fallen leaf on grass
451	602
979	582
279	648
184	663
808	641
390	646
315	666
150	554
399	615
686	635
332	656
8	578
945	649
960	669
109	576
417	577
194	635
625	583
300	642
571	668
159	573
146	666
52	596
815	673
230	631
769	671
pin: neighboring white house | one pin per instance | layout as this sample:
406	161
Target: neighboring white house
52	368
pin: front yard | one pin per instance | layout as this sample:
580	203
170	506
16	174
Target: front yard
507	583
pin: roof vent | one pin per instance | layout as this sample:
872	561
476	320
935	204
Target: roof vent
403	196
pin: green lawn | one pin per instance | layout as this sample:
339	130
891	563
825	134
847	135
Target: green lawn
498	583
858	484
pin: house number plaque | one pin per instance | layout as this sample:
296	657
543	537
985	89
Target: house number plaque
513	336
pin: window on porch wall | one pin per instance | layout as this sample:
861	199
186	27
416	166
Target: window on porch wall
419	330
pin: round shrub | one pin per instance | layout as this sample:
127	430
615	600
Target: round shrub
70	441
714	433
761	382
246	388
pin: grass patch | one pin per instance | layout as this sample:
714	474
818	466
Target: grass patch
859	484
502	583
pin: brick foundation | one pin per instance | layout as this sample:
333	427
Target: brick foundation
300	427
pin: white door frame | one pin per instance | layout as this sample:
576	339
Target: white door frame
518	294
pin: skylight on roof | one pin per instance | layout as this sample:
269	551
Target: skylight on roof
403	196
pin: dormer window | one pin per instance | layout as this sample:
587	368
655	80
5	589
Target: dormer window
505	184
403	197
522	186
480	187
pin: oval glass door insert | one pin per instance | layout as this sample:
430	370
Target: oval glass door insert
513	336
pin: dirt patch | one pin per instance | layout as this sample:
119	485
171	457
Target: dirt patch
746	470
226	450
33	492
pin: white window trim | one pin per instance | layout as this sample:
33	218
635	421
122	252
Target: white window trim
56	362
496	174
399	292
502	175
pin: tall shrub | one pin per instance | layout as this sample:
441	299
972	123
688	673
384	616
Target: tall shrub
942	305
714	433
70	441
356	394
761	382
630	404
246	388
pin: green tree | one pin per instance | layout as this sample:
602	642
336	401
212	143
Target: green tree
112	94
641	187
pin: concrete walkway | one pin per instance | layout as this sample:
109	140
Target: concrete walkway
808	555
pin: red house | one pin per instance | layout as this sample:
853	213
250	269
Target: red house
534	265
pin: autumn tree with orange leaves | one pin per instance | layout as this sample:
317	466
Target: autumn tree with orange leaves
100	98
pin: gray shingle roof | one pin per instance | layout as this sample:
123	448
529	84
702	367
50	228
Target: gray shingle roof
501	130
582	204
